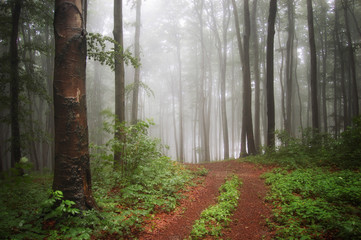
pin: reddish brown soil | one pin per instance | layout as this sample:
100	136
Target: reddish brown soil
248	221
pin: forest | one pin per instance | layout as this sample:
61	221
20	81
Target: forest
180	119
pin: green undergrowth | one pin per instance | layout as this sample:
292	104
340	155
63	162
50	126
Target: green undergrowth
218	216
149	183
27	212
315	203
313	149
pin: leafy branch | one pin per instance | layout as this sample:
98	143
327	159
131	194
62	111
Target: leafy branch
98	51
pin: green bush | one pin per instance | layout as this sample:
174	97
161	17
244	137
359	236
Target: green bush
348	150
316	149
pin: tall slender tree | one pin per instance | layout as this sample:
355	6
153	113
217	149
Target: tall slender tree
352	65
313	61
14	84
270	75
289	70
257	80
72	168
247	124
119	78
137	55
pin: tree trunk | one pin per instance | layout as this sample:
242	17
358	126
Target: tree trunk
346	120
72	168
137	56
14	85
241	56
247	91
222	57
311	33
180	93
289	65
354	95
270	75
256	63
119	79
203	109
283	108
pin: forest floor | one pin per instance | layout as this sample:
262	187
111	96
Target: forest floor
248	221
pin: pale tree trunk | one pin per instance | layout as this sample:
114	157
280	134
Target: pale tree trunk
175	122
313	81
119	79
283	108
199	4
270	75
137	56
298	88
222	56
180	93
72	167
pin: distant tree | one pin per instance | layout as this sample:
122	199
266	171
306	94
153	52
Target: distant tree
313	56
289	70
72	167
136	55
119	77
14	84
352	65
204	120
221	45
270	75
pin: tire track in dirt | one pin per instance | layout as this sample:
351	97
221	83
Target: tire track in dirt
248	221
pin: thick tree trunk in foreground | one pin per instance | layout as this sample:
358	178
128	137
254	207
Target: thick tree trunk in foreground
119	79
14	85
311	34
72	168
270	73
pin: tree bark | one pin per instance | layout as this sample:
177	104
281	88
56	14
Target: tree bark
180	93
247	91
137	56
289	65
354	95
14	85
313	81
346	120
72	167
270	75
256	63
119	79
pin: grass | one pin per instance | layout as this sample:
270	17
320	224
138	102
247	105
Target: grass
216	217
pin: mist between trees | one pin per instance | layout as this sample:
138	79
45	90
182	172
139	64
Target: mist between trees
202	74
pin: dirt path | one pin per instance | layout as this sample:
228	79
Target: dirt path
248	220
